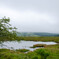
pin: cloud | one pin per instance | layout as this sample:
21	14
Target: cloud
32	16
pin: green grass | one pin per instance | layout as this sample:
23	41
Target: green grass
55	39
9	39
22	50
53	50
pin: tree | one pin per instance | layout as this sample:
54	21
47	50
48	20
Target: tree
6	30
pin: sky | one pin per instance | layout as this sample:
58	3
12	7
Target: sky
32	15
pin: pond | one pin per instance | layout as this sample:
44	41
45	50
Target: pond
22	44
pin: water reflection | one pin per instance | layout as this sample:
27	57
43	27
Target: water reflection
22	44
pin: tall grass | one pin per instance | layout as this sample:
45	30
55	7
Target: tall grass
50	52
55	39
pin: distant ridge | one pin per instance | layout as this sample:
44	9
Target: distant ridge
36	34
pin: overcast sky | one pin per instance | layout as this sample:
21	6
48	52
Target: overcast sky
32	15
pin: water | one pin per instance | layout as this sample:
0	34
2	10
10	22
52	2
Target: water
22	44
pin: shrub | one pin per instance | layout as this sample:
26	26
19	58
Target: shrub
35	57
42	53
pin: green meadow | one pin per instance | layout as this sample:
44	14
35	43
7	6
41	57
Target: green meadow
48	52
45	39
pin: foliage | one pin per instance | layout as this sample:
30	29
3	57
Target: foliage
6	30
43	53
35	57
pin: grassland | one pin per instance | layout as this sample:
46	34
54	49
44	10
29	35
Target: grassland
46	39
53	50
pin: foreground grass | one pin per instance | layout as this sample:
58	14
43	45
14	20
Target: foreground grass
53	51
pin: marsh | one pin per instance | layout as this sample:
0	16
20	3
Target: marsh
13	45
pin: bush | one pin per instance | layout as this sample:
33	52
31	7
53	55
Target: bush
35	57
42	53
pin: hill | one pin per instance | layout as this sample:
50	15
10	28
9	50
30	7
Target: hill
36	34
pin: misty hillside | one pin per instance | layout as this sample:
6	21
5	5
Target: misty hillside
36	34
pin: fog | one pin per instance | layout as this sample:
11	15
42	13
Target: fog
32	15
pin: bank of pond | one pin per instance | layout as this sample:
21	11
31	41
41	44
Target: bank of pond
44	39
30	48
50	52
30	45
